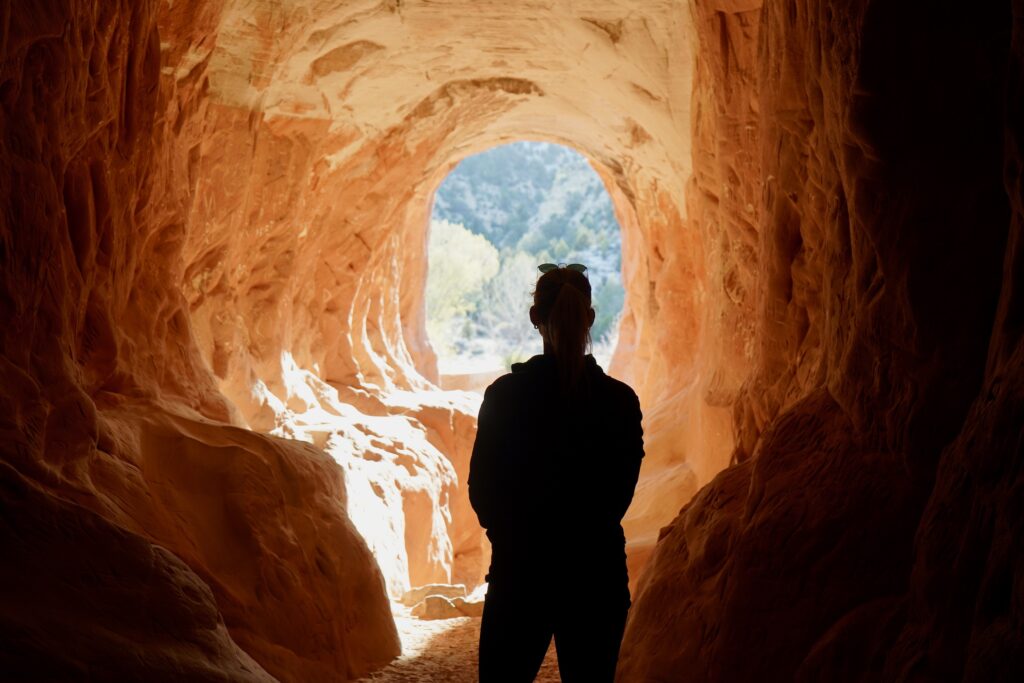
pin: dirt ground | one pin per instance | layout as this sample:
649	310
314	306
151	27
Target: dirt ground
442	651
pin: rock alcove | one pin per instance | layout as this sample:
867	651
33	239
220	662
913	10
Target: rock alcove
224	446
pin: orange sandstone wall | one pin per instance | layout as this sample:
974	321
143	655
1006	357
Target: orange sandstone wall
325	135
865	531
216	229
145	535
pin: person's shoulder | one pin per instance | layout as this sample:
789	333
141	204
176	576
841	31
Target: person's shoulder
508	383
521	375
501	383
619	390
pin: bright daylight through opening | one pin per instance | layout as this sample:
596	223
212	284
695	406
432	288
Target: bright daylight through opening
496	217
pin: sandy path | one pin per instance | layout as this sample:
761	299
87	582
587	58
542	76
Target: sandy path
442	651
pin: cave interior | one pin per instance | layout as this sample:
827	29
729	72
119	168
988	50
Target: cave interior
225	447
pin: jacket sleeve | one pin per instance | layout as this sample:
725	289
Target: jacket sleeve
483	465
631	447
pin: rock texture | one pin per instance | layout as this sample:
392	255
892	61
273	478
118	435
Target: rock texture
215	222
440	607
416	595
304	275
146	534
866	533
83	598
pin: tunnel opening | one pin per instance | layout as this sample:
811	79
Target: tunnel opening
496	217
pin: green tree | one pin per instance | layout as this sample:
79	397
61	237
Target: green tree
461	263
504	312
608	300
536	203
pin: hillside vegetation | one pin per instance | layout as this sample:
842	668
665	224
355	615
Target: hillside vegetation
496	217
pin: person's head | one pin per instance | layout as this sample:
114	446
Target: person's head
561	311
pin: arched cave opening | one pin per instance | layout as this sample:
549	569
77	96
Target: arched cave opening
224	444
496	217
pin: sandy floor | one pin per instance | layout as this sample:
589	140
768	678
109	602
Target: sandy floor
442	651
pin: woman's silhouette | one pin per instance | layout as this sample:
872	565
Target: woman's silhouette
557	454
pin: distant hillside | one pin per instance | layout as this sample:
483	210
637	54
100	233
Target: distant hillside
534	202
525	193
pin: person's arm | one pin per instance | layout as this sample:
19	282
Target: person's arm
632	453
483	465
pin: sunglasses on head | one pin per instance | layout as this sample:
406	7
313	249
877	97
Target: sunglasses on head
548	267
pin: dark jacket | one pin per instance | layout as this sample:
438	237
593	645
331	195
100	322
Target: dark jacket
550	479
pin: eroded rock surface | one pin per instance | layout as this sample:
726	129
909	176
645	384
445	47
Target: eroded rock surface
176	543
441	607
215	219
865	533
417	594
304	276
83	598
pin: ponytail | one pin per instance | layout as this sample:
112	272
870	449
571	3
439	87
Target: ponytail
562	298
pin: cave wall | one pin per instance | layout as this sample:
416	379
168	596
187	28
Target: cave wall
304	275
146	535
215	232
865	531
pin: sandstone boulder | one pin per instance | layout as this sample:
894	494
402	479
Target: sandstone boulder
416	595
441	607
83	598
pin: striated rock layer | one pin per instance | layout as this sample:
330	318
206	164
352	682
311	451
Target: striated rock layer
215	234
304	274
867	532
146	535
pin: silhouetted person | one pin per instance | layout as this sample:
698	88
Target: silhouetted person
557	454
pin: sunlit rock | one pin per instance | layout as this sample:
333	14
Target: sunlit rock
304	277
415	595
444	607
